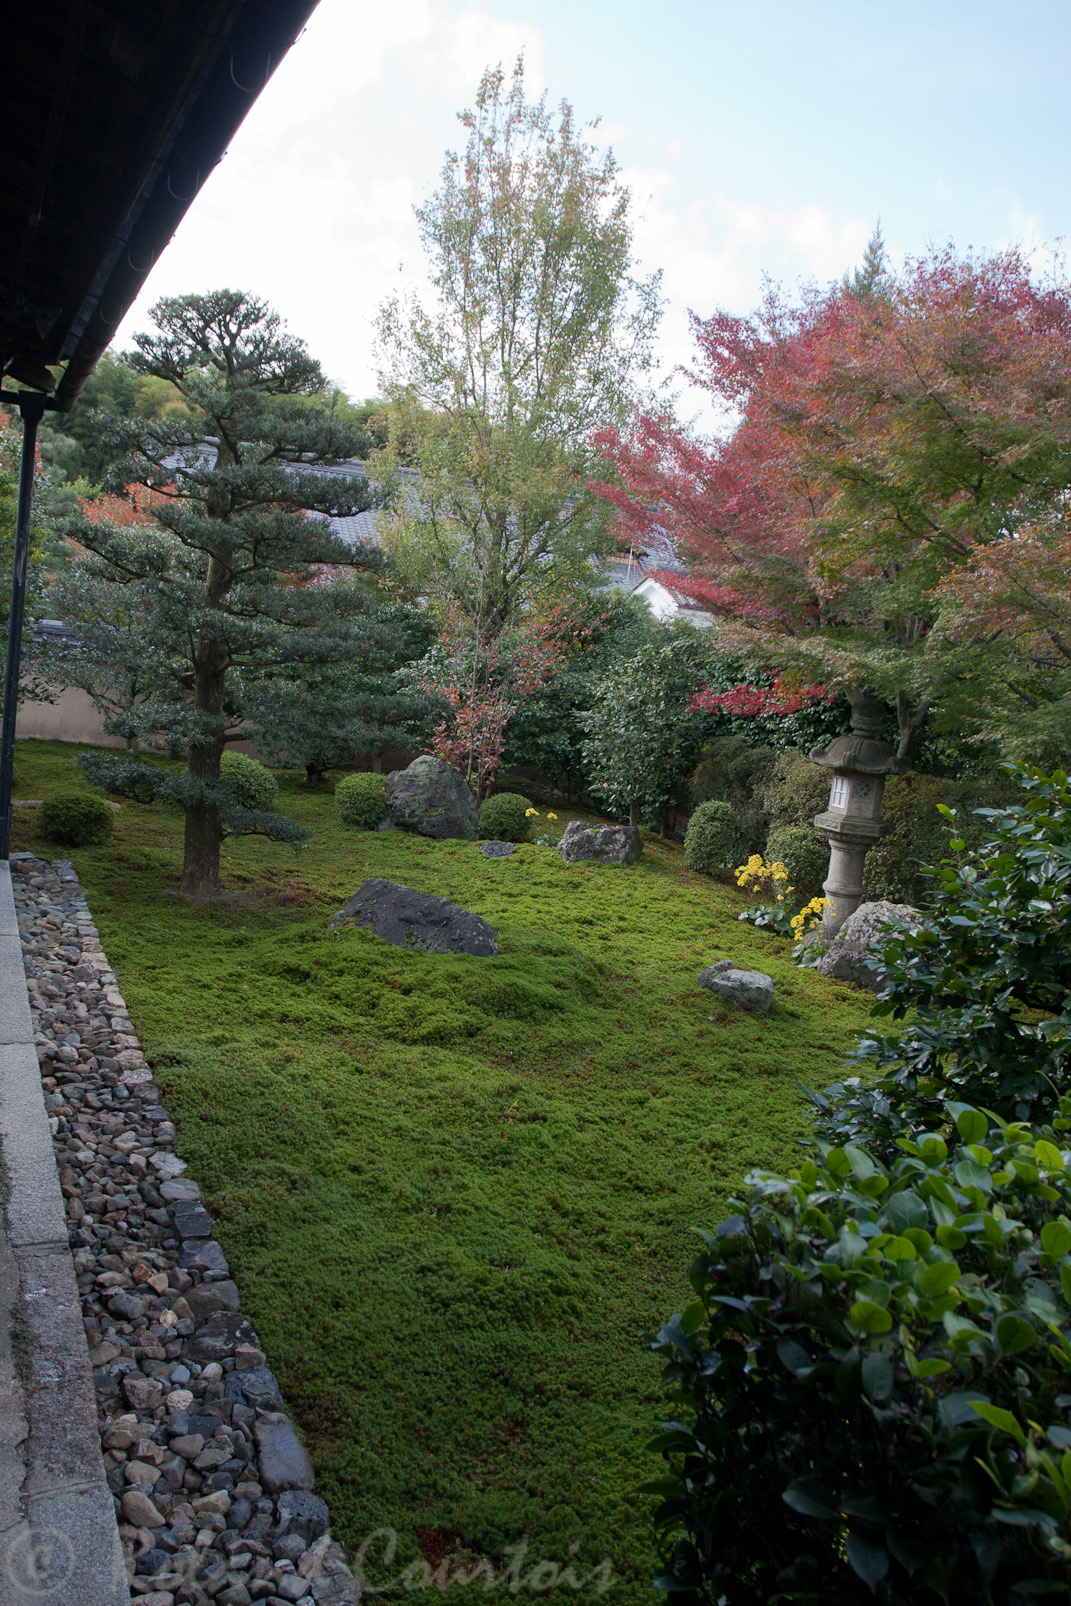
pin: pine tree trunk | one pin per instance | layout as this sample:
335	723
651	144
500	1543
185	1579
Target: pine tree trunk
204	822
634	812
204	832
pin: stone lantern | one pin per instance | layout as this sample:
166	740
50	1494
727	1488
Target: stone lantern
852	822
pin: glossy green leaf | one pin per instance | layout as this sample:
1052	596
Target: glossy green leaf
1056	1238
1014	1334
1048	1155
936	1278
869	1317
868	1559
998	1418
810	1498
878	1376
971	1125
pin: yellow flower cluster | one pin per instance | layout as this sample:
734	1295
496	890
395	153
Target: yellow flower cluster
762	879
529	812
808	917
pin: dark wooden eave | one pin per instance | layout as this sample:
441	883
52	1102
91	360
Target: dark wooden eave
112	116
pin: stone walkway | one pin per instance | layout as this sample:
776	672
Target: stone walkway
202	1467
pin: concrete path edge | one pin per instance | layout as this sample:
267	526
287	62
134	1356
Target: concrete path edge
59	1540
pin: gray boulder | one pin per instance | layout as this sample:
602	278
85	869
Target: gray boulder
602	844
741	989
852	955
409	919
431	797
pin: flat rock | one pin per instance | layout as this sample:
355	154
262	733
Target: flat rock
299	1512
498	850
255	1386
409	919
430	797
208	1298
853	955
202	1254
601	844
177	1189
219	1337
192	1220
284	1461
752	990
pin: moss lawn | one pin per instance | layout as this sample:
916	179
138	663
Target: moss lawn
457	1192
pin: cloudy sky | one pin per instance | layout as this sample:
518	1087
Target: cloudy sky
757	136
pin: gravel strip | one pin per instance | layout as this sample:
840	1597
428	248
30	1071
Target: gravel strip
212	1485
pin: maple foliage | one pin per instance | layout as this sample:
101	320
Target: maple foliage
879	436
746	700
481	686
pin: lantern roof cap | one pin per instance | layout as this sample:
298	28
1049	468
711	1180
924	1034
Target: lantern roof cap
858	754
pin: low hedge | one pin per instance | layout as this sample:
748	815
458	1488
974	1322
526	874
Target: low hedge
504	817
361	799
875	1380
253	785
711	838
75	819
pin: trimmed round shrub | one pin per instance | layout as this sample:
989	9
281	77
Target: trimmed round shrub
361	799
805	855
504	817
254	786
75	819
796	790
710	840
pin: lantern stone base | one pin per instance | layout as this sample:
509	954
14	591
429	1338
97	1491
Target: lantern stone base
849	841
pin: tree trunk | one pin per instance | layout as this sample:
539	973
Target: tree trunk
664	831
634	812
204	831
204	821
314	775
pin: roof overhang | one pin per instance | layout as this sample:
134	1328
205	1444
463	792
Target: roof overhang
112	116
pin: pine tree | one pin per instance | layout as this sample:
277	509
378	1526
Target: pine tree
223	585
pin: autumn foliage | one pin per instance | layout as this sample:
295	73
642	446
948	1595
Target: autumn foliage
887	444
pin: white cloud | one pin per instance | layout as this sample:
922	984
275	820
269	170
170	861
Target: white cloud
313	205
312	208
716	257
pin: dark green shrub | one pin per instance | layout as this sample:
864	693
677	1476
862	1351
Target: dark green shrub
361	799
253	786
805	855
871	1390
896	867
504	817
984	988
735	771
711	838
75	819
795	791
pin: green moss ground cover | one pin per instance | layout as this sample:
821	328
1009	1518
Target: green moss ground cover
456	1192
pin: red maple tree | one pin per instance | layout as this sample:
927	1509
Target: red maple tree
877	434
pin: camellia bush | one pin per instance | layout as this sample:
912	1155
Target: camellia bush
983	987
874	1381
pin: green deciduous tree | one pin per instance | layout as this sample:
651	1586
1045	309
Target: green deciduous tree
538	334
643	736
227	587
